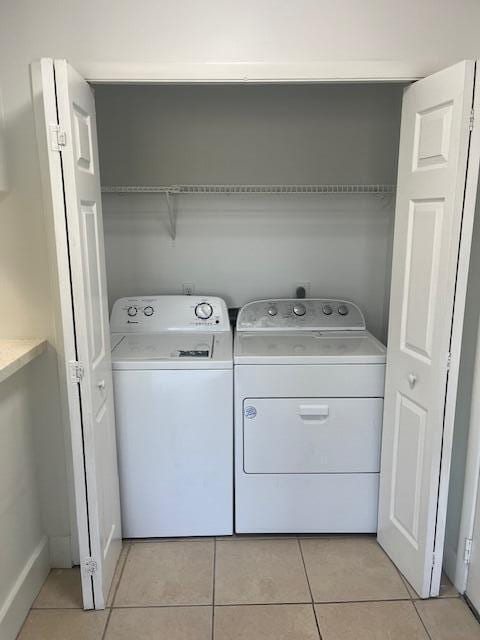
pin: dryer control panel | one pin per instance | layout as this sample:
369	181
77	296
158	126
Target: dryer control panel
152	314
307	313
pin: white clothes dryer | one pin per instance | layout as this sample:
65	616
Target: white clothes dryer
309	384
173	385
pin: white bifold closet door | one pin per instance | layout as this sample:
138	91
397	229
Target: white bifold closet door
433	226
73	171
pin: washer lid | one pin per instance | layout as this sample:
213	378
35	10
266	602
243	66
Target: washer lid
171	350
308	347
163	346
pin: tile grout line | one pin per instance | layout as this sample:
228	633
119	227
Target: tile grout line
309	587
114	595
421	620
213	587
412	599
258	604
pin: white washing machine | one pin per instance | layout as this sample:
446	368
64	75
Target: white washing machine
309	384
173	383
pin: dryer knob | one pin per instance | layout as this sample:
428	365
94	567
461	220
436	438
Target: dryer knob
132	311
327	309
203	311
272	311
299	309
148	311
343	310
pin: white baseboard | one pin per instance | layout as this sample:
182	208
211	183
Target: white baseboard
60	552
14	609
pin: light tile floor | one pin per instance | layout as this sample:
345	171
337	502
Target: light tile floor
251	588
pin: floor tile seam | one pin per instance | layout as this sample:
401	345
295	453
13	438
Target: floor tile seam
161	606
256	604
421	619
309	587
104	634
49	608
229	604
402	578
122	570
133	541
418	599
213	586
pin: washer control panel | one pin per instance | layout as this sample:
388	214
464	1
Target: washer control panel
152	314
306	313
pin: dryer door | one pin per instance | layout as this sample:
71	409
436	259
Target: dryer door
312	435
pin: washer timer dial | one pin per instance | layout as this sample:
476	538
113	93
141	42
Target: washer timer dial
203	311
132	311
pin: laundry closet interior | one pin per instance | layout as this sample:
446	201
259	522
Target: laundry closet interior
255	191
247	246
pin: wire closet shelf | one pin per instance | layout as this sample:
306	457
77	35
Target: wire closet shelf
227	189
256	188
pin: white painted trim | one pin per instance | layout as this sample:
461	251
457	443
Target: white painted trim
257	72
63	329
456	340
15	608
472	464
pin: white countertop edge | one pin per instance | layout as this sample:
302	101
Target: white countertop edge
15	353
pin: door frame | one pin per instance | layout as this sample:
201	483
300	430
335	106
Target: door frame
360	72
46	112
472	463
468	215
344	71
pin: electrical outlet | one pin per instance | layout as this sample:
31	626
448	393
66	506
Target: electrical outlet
305	285
188	288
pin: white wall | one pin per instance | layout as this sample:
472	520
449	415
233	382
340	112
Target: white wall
24	558
250	247
428	35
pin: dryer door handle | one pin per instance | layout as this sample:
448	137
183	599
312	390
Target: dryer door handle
314	412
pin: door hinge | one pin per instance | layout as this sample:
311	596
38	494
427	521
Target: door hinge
433	559
77	371
472	120
449	360
58	137
467	550
90	566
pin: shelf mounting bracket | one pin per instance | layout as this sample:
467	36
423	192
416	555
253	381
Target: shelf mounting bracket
172	213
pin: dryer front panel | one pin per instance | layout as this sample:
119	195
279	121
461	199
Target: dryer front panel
312	435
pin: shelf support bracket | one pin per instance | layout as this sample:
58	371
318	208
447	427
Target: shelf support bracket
172	213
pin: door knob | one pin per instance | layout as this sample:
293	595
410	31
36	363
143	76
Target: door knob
412	380
101	385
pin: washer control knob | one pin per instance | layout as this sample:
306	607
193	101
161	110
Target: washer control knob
132	311
299	309
148	311
343	310
203	311
327	309
272	311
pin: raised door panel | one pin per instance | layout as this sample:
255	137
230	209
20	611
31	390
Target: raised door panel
424	236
